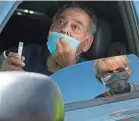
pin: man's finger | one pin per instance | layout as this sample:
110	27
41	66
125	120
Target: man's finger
66	45
15	61
64	42
58	46
13	68
58	60
15	55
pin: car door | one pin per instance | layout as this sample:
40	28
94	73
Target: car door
129	12
120	108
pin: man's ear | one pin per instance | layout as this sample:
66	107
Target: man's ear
88	42
129	71
99	79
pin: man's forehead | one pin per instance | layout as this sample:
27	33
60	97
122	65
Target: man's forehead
74	14
112	65
75	11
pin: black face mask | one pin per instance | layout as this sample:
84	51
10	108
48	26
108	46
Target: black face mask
118	82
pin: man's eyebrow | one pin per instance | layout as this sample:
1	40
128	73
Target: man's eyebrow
62	17
78	22
59	17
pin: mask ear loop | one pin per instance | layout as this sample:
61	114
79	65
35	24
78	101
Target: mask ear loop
105	85
78	46
104	80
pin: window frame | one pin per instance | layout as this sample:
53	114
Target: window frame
131	27
8	11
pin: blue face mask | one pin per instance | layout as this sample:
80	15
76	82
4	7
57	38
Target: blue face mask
55	36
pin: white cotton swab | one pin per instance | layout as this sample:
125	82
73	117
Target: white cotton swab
20	48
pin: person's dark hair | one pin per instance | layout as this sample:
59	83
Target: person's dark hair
89	11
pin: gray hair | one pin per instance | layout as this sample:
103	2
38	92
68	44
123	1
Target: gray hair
99	63
89	11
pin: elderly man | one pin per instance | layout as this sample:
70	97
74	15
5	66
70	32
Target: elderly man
71	33
114	73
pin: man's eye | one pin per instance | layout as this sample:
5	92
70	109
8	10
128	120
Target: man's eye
75	27
121	70
61	22
109	72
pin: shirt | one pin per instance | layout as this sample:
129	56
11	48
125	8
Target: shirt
134	87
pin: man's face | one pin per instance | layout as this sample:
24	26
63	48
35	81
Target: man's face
109	70
117	77
75	23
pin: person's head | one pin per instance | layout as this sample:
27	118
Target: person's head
77	21
113	72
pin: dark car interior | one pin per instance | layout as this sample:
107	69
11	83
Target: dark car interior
32	28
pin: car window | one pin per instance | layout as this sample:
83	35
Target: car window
136	5
79	82
79	105
31	25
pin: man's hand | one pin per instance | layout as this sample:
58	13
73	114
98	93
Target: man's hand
65	55
13	62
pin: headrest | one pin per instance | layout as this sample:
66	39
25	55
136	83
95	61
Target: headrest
28	96
117	48
102	41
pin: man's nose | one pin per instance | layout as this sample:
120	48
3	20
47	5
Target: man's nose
65	29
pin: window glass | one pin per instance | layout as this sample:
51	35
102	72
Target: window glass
81	82
136	4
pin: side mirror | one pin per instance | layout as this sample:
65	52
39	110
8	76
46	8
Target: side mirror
26	96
